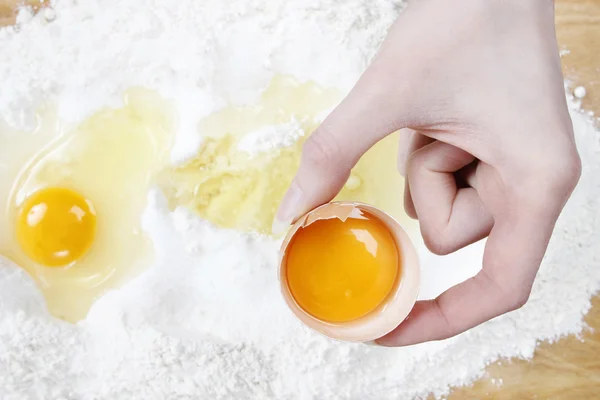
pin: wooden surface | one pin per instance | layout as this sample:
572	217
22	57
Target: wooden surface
8	9
578	31
570	368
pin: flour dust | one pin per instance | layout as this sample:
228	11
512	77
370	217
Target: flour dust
206	320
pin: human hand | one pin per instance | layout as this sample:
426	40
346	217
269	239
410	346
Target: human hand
487	147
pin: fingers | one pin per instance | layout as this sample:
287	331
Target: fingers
410	141
404	148
458	309
512	257
361	120
450	217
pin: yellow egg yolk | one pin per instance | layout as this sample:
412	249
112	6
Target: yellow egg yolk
341	271
56	227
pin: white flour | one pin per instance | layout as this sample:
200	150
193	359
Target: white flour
207	321
271	137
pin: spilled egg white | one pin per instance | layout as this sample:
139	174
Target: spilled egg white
399	302
110	160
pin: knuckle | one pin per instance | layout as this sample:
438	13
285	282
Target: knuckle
564	172
570	173
559	173
516	300
431	242
451	330
510	294
415	162
322	150
435	240
555	178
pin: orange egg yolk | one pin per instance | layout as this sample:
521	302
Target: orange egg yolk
56	227
341	271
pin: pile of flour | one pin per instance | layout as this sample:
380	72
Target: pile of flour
206	321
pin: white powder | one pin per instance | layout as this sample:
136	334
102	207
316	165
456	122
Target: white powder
202	54
271	137
206	321
579	92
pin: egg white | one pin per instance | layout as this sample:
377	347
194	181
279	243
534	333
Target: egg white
110	158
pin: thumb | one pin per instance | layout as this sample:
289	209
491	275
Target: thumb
362	119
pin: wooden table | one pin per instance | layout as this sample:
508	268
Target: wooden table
570	368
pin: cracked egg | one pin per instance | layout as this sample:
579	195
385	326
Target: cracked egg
349	271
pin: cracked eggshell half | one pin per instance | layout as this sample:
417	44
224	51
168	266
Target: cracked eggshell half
399	302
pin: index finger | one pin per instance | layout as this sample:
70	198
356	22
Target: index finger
363	118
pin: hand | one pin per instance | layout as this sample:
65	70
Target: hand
487	147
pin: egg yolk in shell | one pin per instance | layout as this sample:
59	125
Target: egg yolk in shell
56	227
339	271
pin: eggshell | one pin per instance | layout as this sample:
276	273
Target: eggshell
395	307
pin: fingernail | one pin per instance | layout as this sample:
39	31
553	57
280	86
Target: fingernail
371	343
279	227
291	206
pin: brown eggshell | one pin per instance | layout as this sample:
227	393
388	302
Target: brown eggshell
393	310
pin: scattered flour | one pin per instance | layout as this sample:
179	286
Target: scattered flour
579	92
94	50
271	137
206	321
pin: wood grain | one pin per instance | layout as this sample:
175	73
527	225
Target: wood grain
8	9
568	369
578	31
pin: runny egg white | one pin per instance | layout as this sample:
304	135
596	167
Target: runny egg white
71	200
